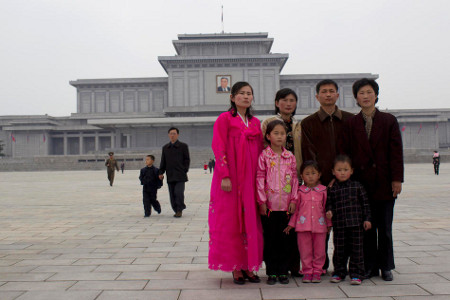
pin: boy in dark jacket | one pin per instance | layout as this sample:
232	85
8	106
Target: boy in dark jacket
151	183
348	208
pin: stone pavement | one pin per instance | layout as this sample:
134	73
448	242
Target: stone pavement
68	235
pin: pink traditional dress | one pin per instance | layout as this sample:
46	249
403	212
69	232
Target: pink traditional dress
236	241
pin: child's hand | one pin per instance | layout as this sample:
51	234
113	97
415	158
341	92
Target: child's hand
329	229
263	209
329	215
226	185
367	225
287	229
331	183
292	208
161	177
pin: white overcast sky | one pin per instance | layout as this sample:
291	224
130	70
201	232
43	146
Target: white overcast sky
45	44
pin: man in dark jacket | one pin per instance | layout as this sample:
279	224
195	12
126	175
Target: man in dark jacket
175	161
321	134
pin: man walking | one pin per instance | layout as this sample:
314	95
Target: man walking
111	164
321	134
175	161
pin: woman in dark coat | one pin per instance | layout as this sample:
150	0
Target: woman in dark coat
373	141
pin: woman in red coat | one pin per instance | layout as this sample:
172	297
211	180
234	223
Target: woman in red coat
373	141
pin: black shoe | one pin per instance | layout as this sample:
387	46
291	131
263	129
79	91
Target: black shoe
272	279
253	278
146	216
158	211
283	279
387	275
178	214
239	280
296	274
371	273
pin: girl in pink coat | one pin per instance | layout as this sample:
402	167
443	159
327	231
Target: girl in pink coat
277	186
310	222
235	230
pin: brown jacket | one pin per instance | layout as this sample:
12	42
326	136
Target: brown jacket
296	134
376	161
321	137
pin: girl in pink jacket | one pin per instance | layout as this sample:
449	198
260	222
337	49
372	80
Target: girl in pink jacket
277	184
310	222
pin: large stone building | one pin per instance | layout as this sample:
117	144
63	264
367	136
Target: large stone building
132	115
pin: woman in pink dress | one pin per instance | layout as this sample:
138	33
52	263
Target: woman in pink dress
236	242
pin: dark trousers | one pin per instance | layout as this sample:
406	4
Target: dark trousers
378	245
436	169
111	176
149	200
348	243
176	193
276	242
327	259
294	254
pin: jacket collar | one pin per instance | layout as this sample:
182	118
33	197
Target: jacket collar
318	188
176	144
293	120
270	154
323	114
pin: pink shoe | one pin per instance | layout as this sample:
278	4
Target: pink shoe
355	281
307	278
316	278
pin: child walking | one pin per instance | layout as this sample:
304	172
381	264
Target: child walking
277	184
348	207
151	183
310	222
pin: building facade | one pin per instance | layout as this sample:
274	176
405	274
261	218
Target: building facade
129	115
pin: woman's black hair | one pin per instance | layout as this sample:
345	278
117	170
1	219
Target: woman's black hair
271	126
234	90
309	163
283	93
363	82
342	158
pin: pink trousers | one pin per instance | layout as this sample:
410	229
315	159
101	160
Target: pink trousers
312	251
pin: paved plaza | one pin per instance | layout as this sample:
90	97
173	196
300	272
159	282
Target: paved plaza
68	235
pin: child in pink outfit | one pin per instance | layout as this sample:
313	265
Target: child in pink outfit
310	222
277	185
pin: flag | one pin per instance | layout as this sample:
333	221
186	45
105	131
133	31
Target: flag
43	138
222	14
420	128
403	128
13	138
28	138
436	128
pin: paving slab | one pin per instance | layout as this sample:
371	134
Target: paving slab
57	295
95	243
139	295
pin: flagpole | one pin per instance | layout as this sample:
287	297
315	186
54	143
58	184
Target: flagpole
223	29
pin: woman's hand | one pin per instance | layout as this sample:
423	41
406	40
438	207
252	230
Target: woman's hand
287	229
396	188
329	215
263	209
367	225
226	185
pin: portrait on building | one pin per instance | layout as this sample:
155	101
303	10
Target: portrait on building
223	83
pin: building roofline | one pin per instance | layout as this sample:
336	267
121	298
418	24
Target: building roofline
119	81
214	36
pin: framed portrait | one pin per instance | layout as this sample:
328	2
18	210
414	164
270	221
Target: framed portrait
223	83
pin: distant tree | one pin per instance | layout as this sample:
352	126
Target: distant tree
1	148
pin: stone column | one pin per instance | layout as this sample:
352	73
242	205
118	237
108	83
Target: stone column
96	142
65	143
81	144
